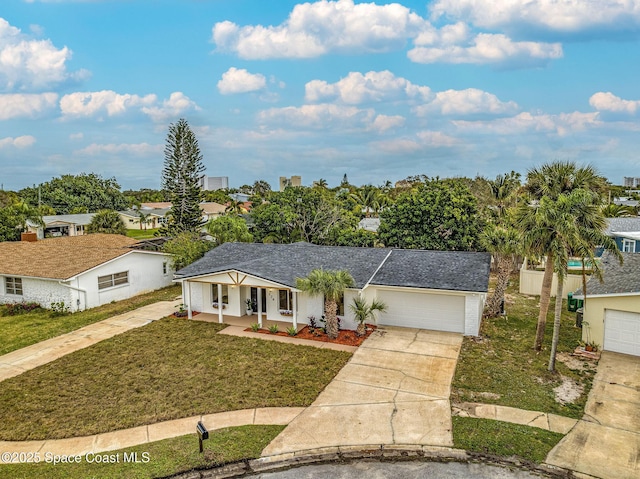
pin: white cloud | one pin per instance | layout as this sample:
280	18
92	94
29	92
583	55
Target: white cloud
466	102
314	29
565	16
29	64
602	101
87	104
488	48
561	124
321	116
382	123
30	105
17	142
177	104
357	88
110	103
137	149
237	80
423	140
76	136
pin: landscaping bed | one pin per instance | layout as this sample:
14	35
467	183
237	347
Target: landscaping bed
345	336
166	370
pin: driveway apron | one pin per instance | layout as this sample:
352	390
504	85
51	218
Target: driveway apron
394	390
606	442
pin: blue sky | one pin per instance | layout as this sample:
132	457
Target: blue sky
376	90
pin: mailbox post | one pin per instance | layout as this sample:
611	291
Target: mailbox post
202	434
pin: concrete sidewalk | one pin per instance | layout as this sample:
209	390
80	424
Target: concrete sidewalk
393	391
16	362
111	441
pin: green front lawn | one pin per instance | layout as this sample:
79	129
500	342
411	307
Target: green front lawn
26	329
157	459
503	439
502	368
169	369
142	234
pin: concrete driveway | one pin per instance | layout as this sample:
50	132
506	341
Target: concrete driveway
606	442
394	390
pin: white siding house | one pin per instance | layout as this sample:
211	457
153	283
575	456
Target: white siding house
439	290
82	271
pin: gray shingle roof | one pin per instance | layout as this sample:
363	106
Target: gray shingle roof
617	279
622	224
283	263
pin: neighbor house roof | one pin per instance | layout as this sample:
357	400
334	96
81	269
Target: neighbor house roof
77	219
617	225
616	278
156	205
283	263
212	208
61	258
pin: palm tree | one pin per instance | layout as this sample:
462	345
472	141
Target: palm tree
504	243
143	219
363	312
107	221
618	211
331	285
227	229
321	183
235	207
547	183
368	199
503	192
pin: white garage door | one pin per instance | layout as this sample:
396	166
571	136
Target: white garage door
622	332
439	312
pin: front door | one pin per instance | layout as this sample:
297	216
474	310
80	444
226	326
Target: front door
254	299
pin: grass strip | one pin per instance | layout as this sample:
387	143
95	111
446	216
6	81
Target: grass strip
502	368
499	438
168	369
26	329
163	458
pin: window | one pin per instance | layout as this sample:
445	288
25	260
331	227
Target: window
112	280
629	246
286	299
13	286
225	293
164	268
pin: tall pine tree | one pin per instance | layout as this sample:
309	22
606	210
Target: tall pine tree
182	169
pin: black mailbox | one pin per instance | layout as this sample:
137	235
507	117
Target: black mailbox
202	431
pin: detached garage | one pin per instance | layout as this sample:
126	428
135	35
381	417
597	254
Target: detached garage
612	309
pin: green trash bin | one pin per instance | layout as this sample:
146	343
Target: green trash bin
572	304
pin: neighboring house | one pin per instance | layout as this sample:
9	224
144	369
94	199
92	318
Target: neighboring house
626	233
155	218
438	290
611	316
625	201
80	271
157	205
61	225
212	210
212	183
369	224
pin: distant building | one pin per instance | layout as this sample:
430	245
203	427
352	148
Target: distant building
293	181
212	183
631	182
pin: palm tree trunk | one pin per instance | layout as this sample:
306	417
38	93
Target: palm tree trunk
556	324
504	266
361	329
545	297
330	309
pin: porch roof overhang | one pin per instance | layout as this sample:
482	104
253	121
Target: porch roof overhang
236	277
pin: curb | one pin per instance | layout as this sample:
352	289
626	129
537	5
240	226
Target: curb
382	453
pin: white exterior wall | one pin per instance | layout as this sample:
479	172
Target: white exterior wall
37	290
473	306
145	274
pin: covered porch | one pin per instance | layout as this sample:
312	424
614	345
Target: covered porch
233	297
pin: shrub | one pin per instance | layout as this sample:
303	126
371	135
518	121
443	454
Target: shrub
255	327
59	308
273	329
13	309
291	331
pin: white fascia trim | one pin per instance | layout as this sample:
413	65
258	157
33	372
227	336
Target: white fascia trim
276	284
607	295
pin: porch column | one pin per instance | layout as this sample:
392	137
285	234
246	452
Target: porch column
294	305
186	297
220	304
260	307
